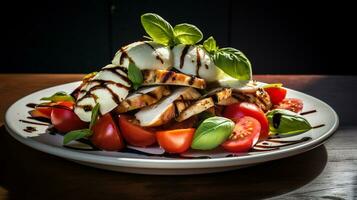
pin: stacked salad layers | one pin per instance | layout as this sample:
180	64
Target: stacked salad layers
176	92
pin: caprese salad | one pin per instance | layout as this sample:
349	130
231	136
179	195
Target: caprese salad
175	92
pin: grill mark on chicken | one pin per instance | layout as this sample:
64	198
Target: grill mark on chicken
152	95
259	98
192	80
167	76
264	98
156	77
157	53
183	54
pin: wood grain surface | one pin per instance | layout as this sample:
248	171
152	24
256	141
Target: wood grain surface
326	172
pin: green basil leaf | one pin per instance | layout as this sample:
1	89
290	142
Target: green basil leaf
75	135
158	28
234	63
59	96
286	123
135	75
210	45
187	34
94	117
212	132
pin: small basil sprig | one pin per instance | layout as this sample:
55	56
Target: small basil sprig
158	29
135	75
83	133
76	134
287	123
212	132
162	32
94	116
187	34
58	96
232	61
210	45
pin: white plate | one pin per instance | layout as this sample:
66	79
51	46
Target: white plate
154	161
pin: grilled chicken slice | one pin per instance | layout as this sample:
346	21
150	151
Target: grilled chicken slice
142	97
196	108
107	88
222	96
190	94
181	106
163	111
228	101
165	77
260	98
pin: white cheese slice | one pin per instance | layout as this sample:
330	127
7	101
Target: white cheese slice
145	55
194	60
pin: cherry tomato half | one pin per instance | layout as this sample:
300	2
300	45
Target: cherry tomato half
239	110
245	135
41	112
44	110
291	104
175	141
64	119
106	134
134	134
277	94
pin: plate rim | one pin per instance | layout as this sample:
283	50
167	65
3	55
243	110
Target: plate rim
170	163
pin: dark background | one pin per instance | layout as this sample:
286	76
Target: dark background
279	37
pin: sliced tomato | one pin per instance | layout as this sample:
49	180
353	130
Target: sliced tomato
277	94
245	135
134	134
239	110
292	104
64	119
175	141
44	110
41	112
106	134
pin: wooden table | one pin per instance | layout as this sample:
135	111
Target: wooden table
326	172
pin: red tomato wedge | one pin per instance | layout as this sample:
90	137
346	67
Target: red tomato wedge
44	110
41	112
64	119
134	134
245	135
106	134
277	94
239	110
292	104
175	141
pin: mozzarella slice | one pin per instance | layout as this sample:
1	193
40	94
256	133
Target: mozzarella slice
145	55
194	60
107	88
